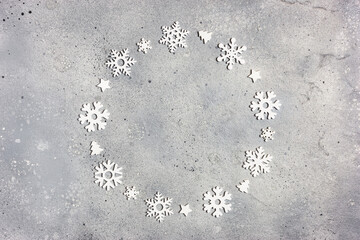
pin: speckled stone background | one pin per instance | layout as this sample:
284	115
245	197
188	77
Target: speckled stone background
181	123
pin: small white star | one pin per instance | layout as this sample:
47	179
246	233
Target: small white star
103	85
254	75
185	209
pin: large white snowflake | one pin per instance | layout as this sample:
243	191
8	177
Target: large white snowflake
108	175
143	45
217	202
94	116
265	105
257	161
158	207
267	134
131	192
231	53
120	62
174	37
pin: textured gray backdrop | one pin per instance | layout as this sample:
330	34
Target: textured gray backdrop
181	123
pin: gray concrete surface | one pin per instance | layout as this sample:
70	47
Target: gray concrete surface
181	123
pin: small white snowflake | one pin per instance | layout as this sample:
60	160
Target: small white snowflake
243	186
173	37
265	105
257	161
130	192
143	45
120	62
158	207
108	175
231	53
217	202
267	134
95	117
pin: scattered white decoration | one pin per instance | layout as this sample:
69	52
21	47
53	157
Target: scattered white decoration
257	161
120	62
265	105
131	192
231	53
267	134
143	45
158	207
205	36
243	186
174	37
217	202
254	75
185	209
95	148
95	117
103	85
108	175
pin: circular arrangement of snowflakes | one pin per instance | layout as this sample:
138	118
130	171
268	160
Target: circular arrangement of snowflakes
216	201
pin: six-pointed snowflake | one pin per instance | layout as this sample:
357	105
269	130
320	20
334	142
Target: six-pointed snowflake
108	175
265	105
173	37
95	117
158	207
130	192
120	62
231	53
217	202
143	45
267	134
257	161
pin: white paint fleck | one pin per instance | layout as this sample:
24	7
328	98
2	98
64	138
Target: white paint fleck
17	140
42	145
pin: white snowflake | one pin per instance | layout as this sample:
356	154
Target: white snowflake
257	161
120	62
231	53
143	45
265	105
108	175
174	37
131	193
158	207
243	186
267	134
95	117
217	202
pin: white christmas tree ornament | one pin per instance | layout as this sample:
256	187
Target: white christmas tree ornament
95	148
